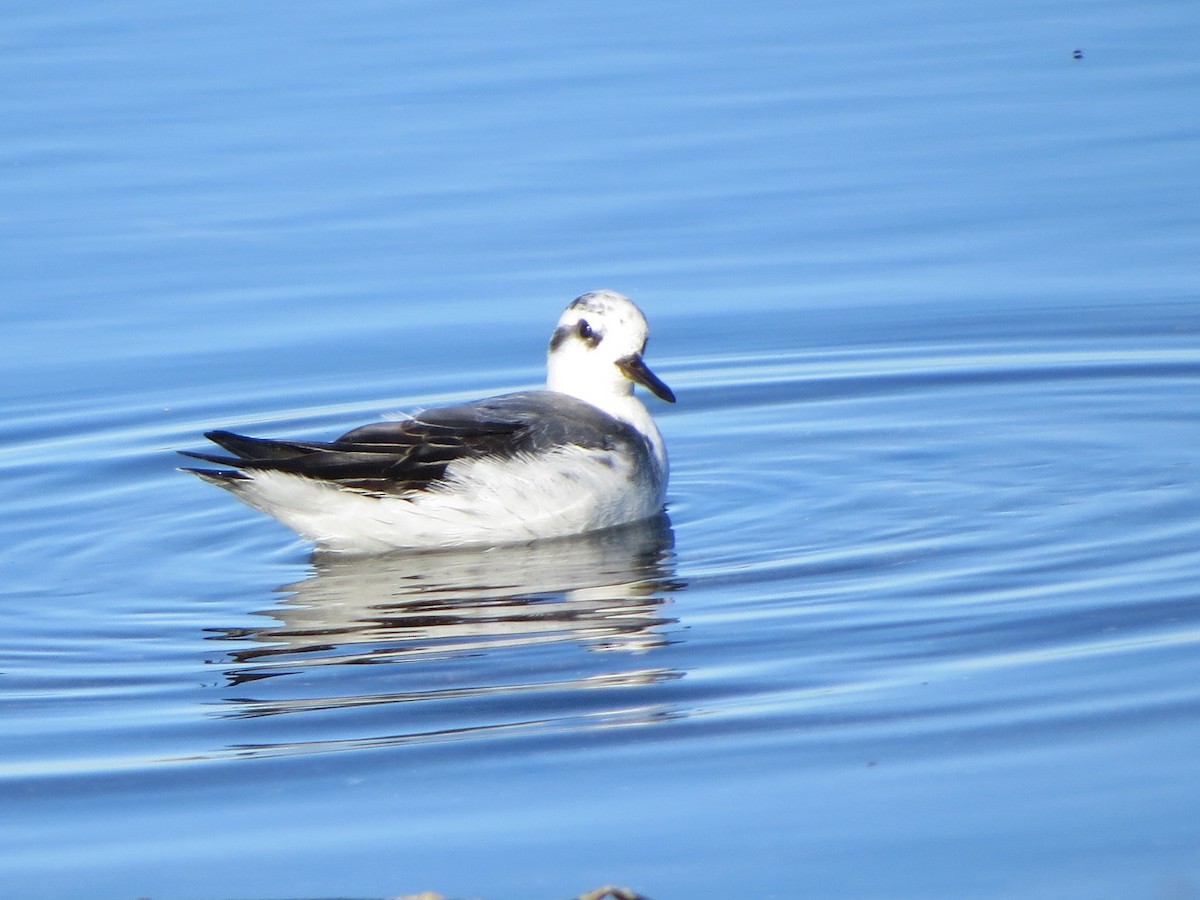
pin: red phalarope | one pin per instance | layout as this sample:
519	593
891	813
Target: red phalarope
581	455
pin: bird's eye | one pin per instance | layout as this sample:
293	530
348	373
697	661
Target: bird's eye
586	332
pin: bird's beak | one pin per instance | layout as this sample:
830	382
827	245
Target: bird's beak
635	369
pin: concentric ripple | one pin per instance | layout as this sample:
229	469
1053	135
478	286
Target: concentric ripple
846	526
1019	519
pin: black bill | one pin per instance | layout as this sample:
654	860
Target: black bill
637	370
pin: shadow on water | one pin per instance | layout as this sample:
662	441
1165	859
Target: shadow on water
439	631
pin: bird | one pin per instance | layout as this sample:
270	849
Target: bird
581	455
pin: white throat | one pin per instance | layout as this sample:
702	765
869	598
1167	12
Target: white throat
613	395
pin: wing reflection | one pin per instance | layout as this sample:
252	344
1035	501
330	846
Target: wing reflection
495	623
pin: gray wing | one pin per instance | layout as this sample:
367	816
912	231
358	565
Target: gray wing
412	454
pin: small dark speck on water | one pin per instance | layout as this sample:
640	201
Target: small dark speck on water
1078	54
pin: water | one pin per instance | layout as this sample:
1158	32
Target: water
922	620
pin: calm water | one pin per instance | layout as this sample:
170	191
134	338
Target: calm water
923	618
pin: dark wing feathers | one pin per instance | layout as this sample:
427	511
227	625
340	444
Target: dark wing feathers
412	454
257	448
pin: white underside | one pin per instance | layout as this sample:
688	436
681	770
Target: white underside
567	491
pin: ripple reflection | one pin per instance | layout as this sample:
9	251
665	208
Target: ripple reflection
445	629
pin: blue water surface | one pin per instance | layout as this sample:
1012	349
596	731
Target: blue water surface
922	618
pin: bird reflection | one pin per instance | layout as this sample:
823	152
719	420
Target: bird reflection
452	617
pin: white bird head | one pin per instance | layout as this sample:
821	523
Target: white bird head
596	352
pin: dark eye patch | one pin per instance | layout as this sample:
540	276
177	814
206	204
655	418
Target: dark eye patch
587	334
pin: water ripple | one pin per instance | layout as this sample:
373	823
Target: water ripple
906	516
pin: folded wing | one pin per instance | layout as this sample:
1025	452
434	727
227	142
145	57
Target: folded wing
416	453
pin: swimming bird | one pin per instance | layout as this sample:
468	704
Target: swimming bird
580	455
